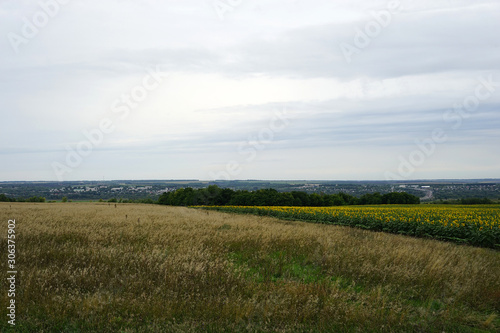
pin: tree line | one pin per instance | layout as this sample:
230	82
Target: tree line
4	198
466	201
216	196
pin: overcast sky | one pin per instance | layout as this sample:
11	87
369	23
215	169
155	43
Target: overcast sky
249	89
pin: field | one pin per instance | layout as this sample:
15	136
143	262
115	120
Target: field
475	225
99	267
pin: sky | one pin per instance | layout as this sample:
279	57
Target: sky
240	89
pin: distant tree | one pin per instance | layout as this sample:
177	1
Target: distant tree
371	199
300	198
164	198
224	197
4	198
348	199
213	195
316	200
334	200
187	198
286	199
241	198
36	199
64	199
475	201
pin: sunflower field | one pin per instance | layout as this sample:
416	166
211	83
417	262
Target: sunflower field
475	225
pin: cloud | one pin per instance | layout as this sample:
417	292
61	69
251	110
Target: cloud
228	77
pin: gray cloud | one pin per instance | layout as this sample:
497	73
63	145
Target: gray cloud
229	77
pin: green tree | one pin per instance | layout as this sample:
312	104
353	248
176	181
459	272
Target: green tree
4	198
36	199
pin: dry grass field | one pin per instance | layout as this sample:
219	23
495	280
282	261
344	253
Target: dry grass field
94	267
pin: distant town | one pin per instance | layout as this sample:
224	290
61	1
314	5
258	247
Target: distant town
129	190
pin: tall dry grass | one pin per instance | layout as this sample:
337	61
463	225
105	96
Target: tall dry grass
88	267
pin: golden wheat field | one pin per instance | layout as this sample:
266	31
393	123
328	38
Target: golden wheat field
97	267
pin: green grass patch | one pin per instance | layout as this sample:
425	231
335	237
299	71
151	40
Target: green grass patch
276	266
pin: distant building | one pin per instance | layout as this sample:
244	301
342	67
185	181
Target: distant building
143	188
